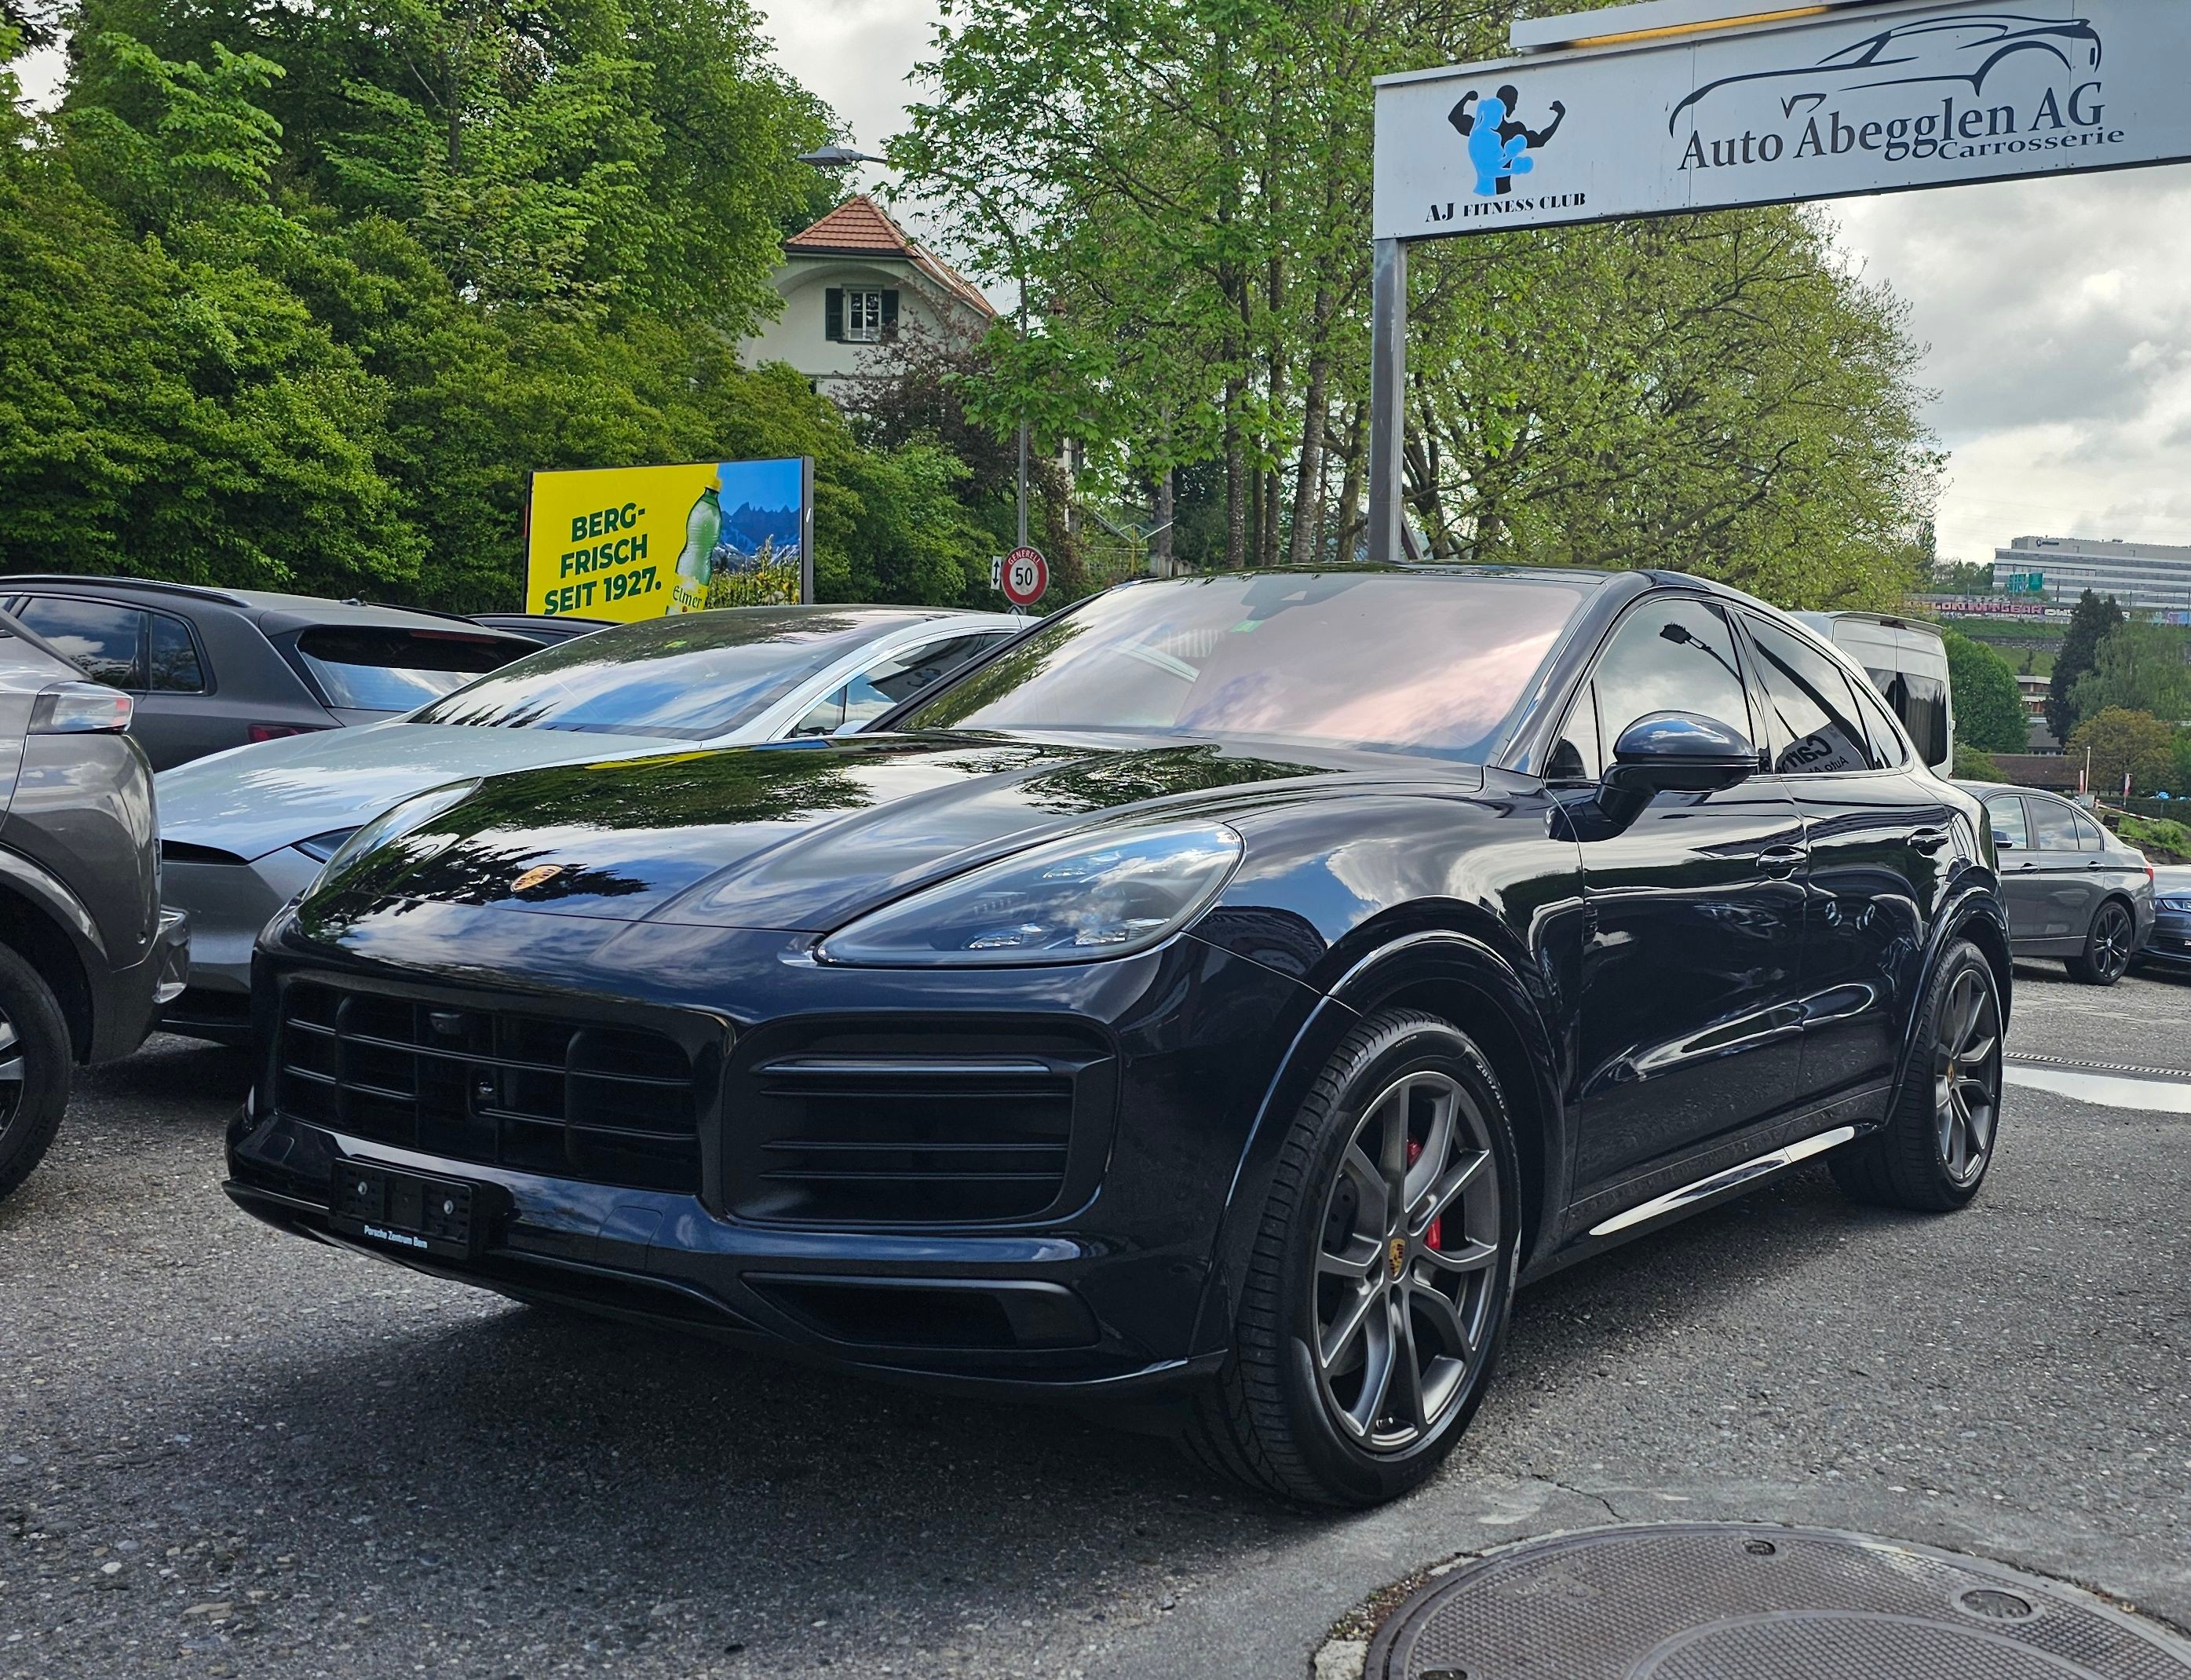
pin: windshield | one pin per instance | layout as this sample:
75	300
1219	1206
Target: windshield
690	678
1427	663
367	669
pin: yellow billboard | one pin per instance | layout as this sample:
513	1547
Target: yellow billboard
633	543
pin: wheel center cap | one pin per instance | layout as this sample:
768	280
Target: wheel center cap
1395	1257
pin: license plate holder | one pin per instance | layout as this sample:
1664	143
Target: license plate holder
410	1212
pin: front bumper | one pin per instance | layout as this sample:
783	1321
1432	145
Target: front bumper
1102	1290
132	997
228	904
2169	940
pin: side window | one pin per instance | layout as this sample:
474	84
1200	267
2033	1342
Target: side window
1813	705
1886	743
105	640
2089	838
1575	756
824	717
2053	825
175	666
1674	655
908	672
2005	811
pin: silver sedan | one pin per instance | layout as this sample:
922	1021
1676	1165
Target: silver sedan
243	832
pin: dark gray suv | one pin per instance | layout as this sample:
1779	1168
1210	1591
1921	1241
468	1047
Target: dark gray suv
87	956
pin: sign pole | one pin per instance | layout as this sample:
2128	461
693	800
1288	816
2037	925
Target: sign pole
1388	410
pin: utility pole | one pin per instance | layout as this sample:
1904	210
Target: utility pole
1023	419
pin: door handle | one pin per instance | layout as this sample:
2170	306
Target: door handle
1783	860
1928	840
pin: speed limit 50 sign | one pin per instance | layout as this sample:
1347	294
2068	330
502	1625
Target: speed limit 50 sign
1023	576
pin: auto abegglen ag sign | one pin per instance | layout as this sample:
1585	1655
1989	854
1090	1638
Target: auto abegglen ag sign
1864	98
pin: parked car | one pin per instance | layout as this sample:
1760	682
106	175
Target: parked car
87	953
545	628
2073	890
1907	661
1220	997
214	668
243	833
2169	945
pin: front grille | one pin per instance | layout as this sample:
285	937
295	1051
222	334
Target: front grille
611	1105
907	1128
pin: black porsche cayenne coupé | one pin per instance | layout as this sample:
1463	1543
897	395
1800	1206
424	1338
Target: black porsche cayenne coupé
1213	1003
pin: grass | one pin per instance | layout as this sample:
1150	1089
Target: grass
2161	839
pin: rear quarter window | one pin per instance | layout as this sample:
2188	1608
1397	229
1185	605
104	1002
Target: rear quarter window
374	669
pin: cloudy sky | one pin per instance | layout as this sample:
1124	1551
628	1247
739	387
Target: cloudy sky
2059	313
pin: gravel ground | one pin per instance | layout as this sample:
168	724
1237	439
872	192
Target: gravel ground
223	1451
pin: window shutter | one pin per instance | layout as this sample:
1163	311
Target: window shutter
890	315
833	315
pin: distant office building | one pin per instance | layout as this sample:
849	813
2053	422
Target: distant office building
2149	576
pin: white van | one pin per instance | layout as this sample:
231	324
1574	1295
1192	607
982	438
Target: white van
1908	660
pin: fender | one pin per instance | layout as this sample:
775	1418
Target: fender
61	907
1973	897
60	936
1431	958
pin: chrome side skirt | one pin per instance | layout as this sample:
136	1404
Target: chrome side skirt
1689	1195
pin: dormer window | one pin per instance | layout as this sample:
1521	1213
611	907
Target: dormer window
858	316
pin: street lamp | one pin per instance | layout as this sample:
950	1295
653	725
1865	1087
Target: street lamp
835	156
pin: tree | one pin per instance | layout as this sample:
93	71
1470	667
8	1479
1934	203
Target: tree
1184	186
1989	706
1973	766
1958	576
296	296
2122	741
2139	667
2094	617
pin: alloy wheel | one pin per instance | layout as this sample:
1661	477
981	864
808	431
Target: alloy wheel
2111	941
11	1072
1407	1264
1967	1075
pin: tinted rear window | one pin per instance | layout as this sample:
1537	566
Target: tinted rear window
690	678
368	669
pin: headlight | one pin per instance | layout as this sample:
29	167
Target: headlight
1072	901
393	824
2175	904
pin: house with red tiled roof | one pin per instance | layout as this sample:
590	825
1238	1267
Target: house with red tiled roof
854	281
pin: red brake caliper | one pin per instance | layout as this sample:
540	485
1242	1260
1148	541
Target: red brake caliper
1433	1236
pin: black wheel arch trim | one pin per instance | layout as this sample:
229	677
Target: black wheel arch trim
1973	907
1400	971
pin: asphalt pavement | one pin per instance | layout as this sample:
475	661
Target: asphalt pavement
226	1452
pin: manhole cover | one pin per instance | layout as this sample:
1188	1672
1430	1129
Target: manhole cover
1729	1602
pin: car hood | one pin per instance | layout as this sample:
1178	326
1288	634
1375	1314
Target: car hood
800	835
254	800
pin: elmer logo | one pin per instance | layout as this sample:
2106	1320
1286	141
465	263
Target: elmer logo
1500	145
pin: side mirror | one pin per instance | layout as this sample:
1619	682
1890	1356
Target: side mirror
2002	842
1679	753
1665	753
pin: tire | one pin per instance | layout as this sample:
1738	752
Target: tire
1283	1418
1935	1151
2107	954
35	1062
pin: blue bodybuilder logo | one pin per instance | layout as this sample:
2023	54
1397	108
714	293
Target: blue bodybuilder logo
1499	144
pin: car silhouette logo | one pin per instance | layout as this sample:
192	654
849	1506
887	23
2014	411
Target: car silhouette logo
1936	52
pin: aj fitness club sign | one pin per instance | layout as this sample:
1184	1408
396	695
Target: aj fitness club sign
1820	104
